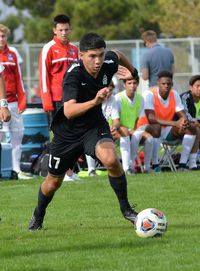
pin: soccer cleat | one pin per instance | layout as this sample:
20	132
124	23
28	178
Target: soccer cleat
14	175
130	172
130	214
92	173
182	168
72	178
35	223
25	176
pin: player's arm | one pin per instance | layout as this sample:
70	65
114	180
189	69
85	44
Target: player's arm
182	121
72	109
45	65
123	61
145	74
4	112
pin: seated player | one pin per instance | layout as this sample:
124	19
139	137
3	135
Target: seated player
163	107
130	107
191	103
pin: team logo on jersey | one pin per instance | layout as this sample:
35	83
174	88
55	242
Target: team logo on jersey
56	51
72	52
105	79
10	57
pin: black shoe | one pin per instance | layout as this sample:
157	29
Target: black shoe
92	173
14	175
130	214
195	168
35	223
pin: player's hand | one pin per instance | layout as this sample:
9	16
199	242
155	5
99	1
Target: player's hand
20	111
124	131
195	123
182	124
4	114
124	74
101	95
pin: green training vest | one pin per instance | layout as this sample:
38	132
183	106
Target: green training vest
129	113
197	106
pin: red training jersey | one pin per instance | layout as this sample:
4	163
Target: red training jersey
55	58
13	79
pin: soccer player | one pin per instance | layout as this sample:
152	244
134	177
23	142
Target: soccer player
16	97
163	106
80	127
56	56
130	106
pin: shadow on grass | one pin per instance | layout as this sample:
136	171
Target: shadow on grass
90	246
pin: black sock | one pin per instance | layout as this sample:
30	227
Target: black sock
119	185
43	202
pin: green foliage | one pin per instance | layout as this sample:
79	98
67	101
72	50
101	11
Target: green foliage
38	32
36	8
114	19
12	22
86	232
180	18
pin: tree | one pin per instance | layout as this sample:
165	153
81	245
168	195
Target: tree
114	19
180	18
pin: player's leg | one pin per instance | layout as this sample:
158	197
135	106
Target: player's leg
155	131
188	140
148	149
45	195
106	153
60	160
125	150
91	164
193	155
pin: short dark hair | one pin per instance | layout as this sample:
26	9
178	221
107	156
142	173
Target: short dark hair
91	41
61	19
193	79
165	74
136	78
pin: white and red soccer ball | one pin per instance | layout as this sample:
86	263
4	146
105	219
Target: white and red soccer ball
151	222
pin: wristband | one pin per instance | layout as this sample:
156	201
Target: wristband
3	103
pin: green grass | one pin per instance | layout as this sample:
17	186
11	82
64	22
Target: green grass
85	230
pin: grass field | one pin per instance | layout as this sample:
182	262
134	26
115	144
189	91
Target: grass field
84	229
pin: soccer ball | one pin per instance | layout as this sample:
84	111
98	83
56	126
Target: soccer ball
151	223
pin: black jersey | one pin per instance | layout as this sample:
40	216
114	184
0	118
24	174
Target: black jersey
78	84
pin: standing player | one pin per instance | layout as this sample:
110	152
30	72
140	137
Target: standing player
55	58
16	98
80	127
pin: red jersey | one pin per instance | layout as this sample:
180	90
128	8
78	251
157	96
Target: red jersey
54	60
13	80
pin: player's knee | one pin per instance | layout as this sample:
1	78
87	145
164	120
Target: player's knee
52	183
111	162
156	131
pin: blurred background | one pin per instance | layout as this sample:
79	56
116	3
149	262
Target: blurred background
120	22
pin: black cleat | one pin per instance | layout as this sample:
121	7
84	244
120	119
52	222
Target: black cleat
14	175
35	223
130	214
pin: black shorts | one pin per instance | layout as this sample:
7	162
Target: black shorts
64	155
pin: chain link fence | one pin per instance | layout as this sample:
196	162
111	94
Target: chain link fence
186	53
